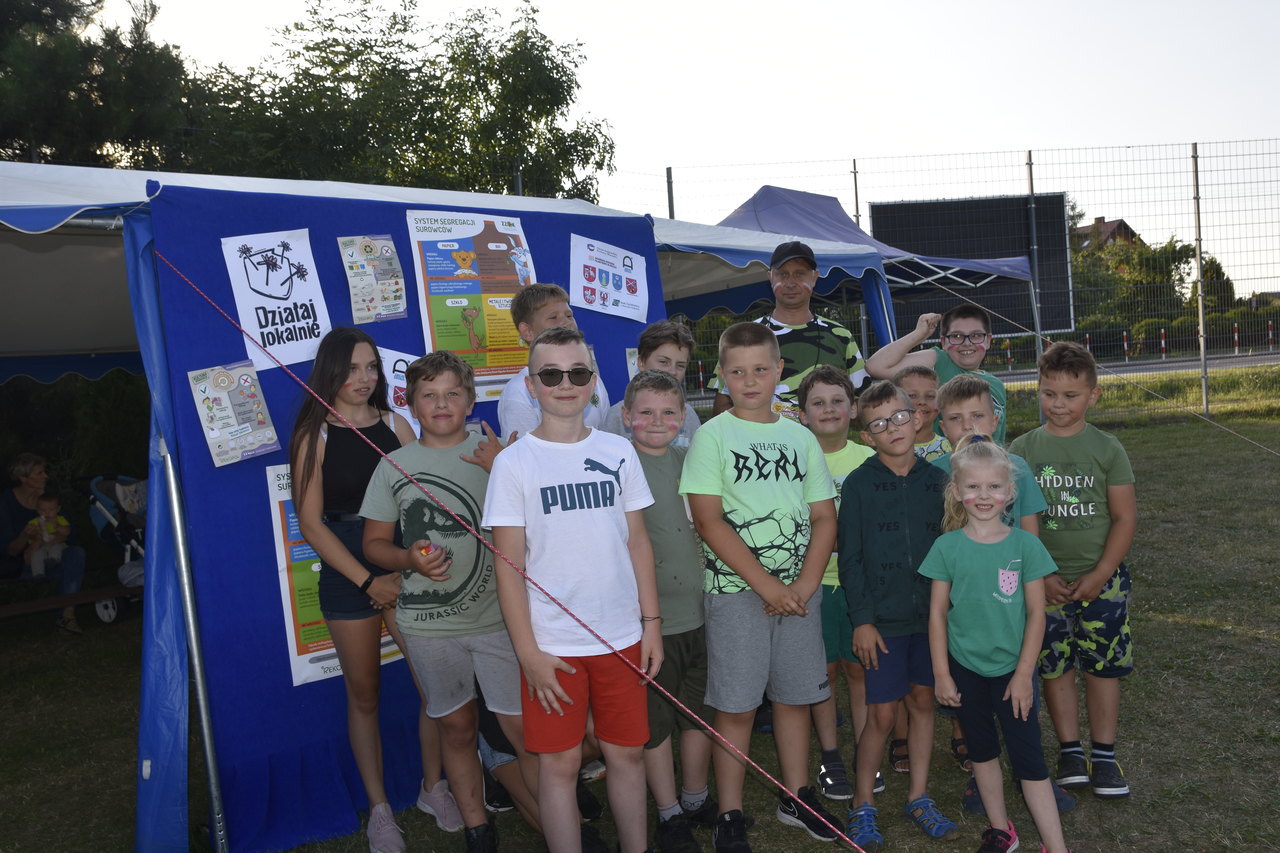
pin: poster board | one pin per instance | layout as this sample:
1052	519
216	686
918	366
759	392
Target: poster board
283	757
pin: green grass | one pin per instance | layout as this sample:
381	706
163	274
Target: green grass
1200	720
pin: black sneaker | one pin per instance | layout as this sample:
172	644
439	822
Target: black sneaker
496	797
705	814
1107	780
792	813
833	781
482	838
588	804
729	835
675	835
1073	771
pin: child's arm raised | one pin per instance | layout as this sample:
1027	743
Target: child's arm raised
1122	506
538	666
708	520
944	686
641	550
894	356
1021	691
822	539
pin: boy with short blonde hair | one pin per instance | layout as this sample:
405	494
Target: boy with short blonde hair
534	309
664	346
921	385
763	503
1088	527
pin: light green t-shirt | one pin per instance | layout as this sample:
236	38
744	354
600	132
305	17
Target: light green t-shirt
839	464
1028	500
988	615
766	475
1074	473
675	549
467	603
948	369
931	450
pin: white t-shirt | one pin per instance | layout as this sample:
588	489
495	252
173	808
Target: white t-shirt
518	410
572	500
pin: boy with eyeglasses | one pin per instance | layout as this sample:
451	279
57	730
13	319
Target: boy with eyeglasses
890	514
965	341
565	502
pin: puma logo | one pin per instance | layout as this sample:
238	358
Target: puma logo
590	464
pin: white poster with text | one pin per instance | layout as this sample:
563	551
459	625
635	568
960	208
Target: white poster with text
607	279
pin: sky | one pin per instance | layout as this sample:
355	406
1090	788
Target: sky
732	95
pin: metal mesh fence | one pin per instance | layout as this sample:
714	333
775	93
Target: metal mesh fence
1127	238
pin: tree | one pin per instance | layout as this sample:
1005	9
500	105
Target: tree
1219	290
65	97
363	94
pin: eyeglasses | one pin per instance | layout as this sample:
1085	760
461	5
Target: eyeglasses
958	338
553	376
898	418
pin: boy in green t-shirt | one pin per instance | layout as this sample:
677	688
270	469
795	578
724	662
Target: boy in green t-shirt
449	616
764	505
965	341
1088	528
652	412
827	403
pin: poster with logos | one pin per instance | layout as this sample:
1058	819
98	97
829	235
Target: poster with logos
375	279
607	278
470	266
232	412
311	653
394	365
278	295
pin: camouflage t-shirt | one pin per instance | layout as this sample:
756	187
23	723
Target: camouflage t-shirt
820	341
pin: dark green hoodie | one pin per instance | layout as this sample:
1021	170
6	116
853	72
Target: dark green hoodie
887	525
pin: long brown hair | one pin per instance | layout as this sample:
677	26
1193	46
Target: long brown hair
329	371
972	449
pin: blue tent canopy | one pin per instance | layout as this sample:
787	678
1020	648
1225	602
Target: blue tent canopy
783	211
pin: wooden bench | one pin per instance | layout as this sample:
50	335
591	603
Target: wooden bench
57	602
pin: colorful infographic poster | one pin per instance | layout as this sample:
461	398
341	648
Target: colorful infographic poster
470	266
278	295
374	278
233	413
311	653
607	279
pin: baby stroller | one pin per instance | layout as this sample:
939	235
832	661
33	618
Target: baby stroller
118	509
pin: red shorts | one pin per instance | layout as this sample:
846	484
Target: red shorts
605	685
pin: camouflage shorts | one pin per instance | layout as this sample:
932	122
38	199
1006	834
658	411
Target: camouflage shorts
1092	636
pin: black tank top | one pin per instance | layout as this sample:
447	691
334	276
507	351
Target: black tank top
349	463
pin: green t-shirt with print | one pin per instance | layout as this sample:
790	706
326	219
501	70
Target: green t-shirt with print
988	615
1074	473
839	464
765	475
948	369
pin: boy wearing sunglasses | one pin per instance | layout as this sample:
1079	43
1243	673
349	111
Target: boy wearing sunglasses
565	503
964	342
890	513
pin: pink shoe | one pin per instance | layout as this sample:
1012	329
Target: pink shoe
384	835
439	803
999	840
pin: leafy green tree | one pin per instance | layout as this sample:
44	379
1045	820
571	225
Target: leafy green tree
66	97
363	94
1219	290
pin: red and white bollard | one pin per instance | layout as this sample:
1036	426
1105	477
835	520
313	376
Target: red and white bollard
1088	342
702	383
1126	345
1271	335
1164	350
1235	333
1008	359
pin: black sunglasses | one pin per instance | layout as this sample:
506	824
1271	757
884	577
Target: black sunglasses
553	376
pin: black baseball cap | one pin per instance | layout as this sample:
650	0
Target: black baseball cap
790	251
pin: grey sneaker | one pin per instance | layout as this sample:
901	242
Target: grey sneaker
439	803
1073	771
384	835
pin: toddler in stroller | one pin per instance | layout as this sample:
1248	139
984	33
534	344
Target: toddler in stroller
118	509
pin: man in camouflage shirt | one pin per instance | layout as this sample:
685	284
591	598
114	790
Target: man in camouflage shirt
805	339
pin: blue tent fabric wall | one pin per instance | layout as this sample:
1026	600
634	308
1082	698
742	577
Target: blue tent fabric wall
285	766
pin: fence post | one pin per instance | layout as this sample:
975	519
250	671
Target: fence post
1126	345
857	206
1033	255
1204	344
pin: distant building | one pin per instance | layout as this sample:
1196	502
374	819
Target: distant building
1103	232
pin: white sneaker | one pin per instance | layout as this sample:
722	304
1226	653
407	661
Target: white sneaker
439	803
384	835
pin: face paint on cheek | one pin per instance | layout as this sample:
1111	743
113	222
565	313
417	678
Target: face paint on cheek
968	499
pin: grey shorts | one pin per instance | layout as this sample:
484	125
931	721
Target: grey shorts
750	653
449	667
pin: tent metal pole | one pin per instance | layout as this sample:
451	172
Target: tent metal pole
857	206
1034	284
218	821
671	195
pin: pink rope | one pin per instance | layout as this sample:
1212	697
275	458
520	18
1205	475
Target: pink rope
705	725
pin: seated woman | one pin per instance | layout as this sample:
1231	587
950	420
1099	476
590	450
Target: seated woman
18	506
